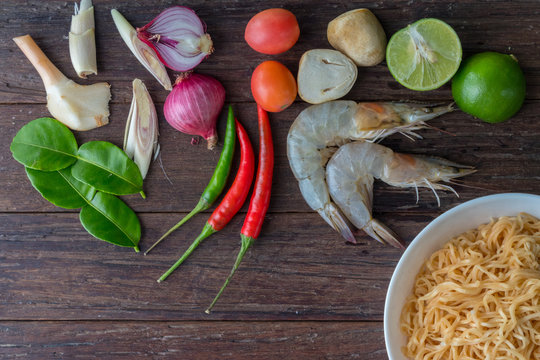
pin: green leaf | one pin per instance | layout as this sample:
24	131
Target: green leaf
108	218
61	188
107	168
44	144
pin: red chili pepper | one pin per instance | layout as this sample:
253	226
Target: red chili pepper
260	198
237	194
232	201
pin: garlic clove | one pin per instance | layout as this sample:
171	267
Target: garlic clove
359	35
82	41
141	135
79	107
325	75
142	51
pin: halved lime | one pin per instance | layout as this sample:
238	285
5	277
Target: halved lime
424	55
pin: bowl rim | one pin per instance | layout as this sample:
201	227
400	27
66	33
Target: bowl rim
483	200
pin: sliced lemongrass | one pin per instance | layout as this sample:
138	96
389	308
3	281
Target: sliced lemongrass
82	40
142	51
141	135
79	107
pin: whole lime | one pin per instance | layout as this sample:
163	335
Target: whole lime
490	86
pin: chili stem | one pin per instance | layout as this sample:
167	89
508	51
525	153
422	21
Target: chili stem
201	206
232	201
260	199
218	180
206	232
246	244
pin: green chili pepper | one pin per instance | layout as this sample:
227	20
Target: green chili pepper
218	180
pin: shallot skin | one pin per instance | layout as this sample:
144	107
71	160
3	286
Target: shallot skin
179	38
194	104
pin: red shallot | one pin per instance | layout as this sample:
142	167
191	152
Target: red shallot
194	104
179	38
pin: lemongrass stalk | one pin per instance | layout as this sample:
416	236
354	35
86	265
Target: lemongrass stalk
144	53
79	107
82	40
141	135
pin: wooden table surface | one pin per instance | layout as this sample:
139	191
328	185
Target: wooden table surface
301	292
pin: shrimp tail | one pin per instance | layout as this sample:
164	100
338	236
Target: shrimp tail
331	214
383	234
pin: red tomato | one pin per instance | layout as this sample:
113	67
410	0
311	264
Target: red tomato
272	31
273	86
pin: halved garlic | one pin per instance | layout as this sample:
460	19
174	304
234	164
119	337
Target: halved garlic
141	135
144	53
82	40
325	75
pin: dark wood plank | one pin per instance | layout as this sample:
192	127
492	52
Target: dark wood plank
193	340
299	268
301	292
506	155
480	27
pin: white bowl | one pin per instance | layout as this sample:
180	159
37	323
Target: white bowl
453	222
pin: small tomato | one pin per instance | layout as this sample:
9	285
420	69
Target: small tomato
272	31
273	86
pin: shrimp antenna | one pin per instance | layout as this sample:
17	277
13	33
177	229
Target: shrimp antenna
434	192
449	188
439	129
467	185
408	135
417	195
411	135
378	138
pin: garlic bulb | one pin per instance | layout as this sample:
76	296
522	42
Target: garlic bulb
359	35
325	75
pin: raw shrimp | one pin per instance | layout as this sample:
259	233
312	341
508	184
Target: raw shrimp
320	127
350	173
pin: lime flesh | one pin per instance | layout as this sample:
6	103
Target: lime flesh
424	55
490	86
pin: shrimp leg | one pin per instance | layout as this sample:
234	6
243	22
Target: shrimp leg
351	171
332	124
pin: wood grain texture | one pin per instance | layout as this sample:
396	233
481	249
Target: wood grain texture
193	340
301	292
481	26
298	269
507	157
